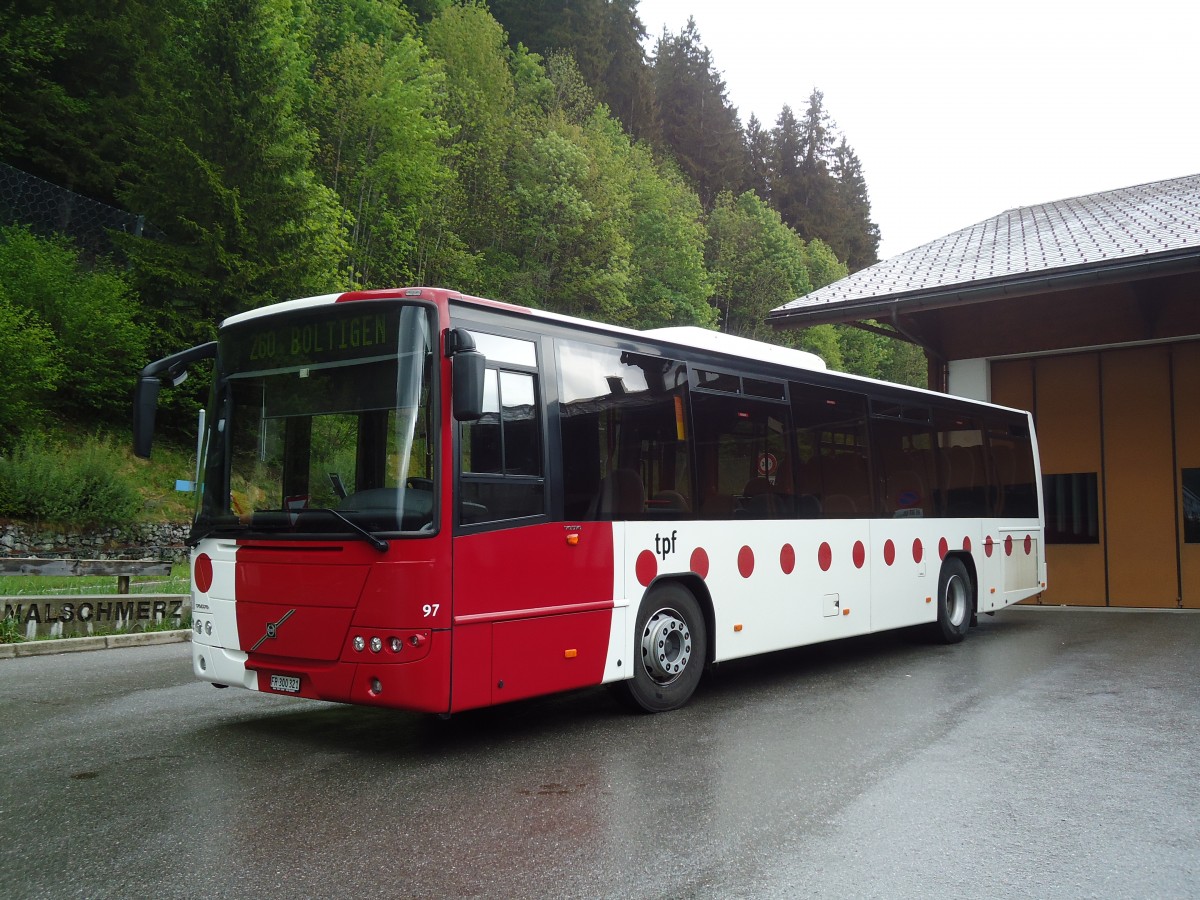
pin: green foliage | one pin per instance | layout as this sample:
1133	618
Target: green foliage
32	40
289	147
222	162
757	263
904	363
697	121
374	108
83	331
669	284
817	183
604	40
79	484
29	369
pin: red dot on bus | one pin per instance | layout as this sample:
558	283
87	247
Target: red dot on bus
1008	545
746	562
989	545
889	552
647	567
943	548
1028	544
860	554
787	559
824	556
967	544
918	550
202	573
699	562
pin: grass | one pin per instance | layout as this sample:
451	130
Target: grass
178	582
155	480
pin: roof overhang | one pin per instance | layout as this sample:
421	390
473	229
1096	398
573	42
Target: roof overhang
888	306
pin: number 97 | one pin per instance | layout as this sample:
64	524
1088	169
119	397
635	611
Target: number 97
430	609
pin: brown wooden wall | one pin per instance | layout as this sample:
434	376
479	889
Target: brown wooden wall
1132	416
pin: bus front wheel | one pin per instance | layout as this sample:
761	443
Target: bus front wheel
956	603
670	648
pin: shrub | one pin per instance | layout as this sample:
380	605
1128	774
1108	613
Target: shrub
79	485
98	343
29	369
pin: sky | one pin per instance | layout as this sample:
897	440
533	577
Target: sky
962	109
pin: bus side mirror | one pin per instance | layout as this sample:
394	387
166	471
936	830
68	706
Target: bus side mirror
467	367
145	405
468	385
145	398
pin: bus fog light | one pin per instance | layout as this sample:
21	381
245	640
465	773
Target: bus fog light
203	664
376	686
376	644
359	643
396	644
417	640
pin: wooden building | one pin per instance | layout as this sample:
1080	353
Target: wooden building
1085	311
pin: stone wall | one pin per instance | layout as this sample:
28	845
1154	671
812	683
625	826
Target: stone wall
130	542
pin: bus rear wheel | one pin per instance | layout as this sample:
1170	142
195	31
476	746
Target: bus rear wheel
956	602
670	649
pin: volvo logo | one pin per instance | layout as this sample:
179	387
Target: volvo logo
273	629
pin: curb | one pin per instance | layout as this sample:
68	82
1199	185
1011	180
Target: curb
82	644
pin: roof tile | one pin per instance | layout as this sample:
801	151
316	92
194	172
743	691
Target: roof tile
1118	225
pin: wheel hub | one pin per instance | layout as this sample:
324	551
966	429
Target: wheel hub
666	645
956	601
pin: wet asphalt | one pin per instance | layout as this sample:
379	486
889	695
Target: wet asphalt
1054	753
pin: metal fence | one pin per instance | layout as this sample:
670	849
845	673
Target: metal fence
48	209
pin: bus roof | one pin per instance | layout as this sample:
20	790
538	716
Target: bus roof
688	336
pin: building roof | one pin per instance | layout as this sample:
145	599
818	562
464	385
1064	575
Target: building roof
1133	232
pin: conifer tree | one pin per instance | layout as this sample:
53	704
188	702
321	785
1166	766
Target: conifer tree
223	164
698	124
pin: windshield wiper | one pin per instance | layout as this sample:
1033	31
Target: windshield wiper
374	540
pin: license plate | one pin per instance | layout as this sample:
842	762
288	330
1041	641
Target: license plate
289	683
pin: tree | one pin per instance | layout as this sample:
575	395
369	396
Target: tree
756	262
669	285
379	149
698	125
759	153
223	164
855	236
462	241
69	324
605	39
29	370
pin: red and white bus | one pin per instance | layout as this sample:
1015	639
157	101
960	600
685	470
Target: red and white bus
425	500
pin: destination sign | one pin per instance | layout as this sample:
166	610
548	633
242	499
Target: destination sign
330	334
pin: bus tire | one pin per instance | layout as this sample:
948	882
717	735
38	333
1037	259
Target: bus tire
956	602
670	649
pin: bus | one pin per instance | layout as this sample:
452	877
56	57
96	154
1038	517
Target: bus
420	499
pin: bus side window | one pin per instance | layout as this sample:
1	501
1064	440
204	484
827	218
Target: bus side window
501	453
624	435
1014	493
962	475
743	456
833	477
904	456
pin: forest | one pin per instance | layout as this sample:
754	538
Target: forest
543	152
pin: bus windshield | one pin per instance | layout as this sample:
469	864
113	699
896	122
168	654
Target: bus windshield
322	422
